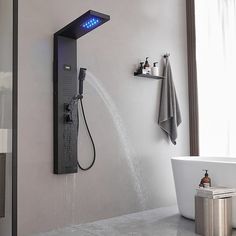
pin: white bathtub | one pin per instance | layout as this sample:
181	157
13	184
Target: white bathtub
188	173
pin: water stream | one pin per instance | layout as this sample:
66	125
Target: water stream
121	130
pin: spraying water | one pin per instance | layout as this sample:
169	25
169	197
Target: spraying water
133	166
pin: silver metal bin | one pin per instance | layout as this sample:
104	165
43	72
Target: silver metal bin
213	217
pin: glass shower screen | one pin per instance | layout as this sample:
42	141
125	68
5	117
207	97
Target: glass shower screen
6	39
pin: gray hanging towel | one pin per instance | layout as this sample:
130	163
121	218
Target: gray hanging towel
169	113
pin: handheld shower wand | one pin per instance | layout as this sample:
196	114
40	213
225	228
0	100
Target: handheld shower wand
82	74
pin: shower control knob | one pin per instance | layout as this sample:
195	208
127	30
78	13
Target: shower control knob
66	107
68	119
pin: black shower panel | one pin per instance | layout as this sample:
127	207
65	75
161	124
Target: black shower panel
65	89
65	123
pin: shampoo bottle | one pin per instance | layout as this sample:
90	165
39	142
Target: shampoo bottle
140	69
147	66
155	69
205	181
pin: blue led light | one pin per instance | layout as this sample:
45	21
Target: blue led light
91	23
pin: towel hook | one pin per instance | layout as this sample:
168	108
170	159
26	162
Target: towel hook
166	55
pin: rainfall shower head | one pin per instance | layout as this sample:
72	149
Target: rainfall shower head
83	24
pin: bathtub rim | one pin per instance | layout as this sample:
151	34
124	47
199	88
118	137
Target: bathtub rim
217	159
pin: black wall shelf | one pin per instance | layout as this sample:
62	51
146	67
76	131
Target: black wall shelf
148	76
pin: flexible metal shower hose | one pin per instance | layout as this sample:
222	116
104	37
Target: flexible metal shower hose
90	136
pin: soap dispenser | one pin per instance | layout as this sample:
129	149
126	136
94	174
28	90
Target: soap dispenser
155	69
205	181
141	68
147	66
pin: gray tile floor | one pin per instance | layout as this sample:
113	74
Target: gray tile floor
158	222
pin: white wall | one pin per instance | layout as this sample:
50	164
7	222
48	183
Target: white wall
137	29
